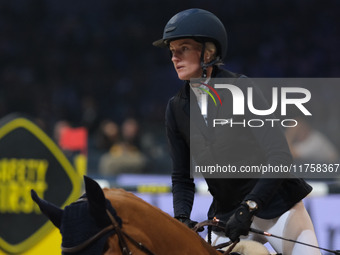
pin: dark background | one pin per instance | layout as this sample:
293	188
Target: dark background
86	61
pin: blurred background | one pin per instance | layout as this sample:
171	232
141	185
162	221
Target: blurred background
91	65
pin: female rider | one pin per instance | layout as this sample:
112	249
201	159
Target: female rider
197	41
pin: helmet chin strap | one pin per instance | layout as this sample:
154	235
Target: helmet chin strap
204	65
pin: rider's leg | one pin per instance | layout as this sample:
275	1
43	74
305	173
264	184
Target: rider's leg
295	224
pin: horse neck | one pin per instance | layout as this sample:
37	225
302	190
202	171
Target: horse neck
155	229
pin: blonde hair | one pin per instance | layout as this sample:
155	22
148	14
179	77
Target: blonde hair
211	52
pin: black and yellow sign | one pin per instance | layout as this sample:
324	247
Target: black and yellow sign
29	159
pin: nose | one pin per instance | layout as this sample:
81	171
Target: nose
174	56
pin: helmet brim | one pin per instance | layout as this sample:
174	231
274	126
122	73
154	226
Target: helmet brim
160	43
164	43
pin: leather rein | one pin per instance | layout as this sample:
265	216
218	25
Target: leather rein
121	238
218	224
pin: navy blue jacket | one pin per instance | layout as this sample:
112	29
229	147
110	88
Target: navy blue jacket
267	146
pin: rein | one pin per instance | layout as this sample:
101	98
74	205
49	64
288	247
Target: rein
219	224
121	238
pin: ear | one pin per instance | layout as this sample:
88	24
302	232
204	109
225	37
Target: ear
96	199
52	212
210	52
207	57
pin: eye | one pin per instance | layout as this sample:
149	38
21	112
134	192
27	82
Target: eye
185	48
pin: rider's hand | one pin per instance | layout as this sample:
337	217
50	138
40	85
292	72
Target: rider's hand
187	221
239	223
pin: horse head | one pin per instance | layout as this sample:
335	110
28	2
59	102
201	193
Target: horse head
86	224
113	221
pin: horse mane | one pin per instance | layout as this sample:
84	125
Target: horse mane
153	227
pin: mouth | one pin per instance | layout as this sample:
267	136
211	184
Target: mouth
178	68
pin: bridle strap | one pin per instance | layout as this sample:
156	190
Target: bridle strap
138	245
92	239
120	233
122	242
121	239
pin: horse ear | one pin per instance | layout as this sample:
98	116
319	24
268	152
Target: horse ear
52	212
95	197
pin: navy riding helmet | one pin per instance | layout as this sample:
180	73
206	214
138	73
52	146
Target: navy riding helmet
195	23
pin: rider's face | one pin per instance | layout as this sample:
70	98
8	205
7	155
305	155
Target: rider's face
186	55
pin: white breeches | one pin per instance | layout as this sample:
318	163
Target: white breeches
294	224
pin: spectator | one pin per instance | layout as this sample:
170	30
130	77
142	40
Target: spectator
107	135
310	145
124	156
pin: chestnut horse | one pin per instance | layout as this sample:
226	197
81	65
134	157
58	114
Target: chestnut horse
113	221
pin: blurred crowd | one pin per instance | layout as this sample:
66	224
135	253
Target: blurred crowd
92	63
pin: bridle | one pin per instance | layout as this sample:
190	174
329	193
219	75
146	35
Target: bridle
122	236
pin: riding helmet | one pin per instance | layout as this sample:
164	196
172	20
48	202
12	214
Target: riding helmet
195	23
